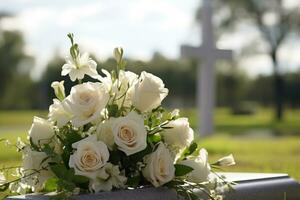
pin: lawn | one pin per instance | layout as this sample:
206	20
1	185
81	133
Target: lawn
262	120
259	153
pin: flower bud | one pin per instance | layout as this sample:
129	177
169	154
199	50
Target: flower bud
226	161
118	54
59	89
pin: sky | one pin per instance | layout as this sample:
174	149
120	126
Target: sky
139	26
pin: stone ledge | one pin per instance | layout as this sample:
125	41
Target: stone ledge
251	186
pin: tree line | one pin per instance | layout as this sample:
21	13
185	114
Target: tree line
234	86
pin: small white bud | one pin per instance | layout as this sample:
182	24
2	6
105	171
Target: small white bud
118	53
59	89
226	161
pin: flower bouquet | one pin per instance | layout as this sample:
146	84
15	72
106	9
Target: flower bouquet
112	134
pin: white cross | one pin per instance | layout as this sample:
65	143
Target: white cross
207	53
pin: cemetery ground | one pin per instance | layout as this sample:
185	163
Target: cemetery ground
258	143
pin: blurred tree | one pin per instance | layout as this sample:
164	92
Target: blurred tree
293	88
52	73
275	19
260	90
14	66
232	84
21	93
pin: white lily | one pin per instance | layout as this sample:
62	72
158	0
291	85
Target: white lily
77	68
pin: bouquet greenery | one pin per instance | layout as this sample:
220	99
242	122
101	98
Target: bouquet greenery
112	134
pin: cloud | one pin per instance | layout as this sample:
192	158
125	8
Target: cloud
140	26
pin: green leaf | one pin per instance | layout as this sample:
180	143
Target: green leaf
64	185
115	157
59	170
181	170
154	138
48	150
113	110
4	187
192	148
80	179
133	181
134	158
72	137
50	185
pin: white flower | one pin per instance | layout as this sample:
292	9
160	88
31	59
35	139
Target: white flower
2	178
90	156
107	178
159	166
121	89
34	161
59	89
201	167
149	92
41	131
180	134
226	161
174	113
79	67
86	102
105	134
58	114
124	89
107	80
130	134
18	187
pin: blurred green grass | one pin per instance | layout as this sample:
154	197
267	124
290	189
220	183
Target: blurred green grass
263	119
273	154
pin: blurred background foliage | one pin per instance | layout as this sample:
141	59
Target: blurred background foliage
235	87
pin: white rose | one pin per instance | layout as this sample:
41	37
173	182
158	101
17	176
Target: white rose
180	135
149	91
41	131
58	114
32	162
130	134
107	178
86	102
159	166
105	134
79	67
90	156
201	167
126	87
59	89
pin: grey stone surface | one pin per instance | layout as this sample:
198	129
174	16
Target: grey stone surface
138	194
257	186
251	186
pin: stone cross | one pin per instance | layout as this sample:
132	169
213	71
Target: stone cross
208	54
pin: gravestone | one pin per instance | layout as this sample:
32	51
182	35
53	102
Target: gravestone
208	53
250	186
